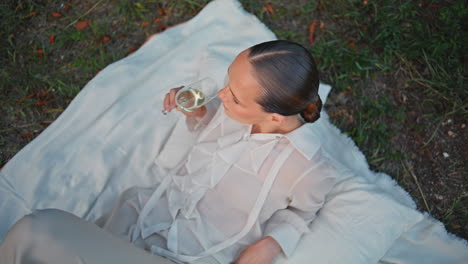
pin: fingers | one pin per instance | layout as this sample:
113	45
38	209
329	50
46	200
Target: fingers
169	100
172	95
166	103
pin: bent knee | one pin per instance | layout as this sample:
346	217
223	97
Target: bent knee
36	222
45	218
22	231
31	230
44	215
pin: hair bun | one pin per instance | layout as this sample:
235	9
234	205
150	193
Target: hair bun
312	112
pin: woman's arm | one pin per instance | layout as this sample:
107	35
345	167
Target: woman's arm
260	252
307	195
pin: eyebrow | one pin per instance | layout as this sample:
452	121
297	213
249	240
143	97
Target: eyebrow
231	89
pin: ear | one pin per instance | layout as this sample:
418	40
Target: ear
278	119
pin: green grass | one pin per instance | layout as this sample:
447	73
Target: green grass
426	41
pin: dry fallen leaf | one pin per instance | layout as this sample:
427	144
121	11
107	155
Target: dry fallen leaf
131	50
27	135
161	27
40	53
31	95
56	14
352	44
145	24
43	94
41	103
161	10
268	8
312	31
33	13
157	20
67	6
51	39
80	25
106	39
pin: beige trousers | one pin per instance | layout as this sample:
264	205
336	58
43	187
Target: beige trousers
53	236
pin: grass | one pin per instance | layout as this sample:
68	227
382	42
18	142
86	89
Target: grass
397	68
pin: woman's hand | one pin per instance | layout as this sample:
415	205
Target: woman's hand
169	104
260	252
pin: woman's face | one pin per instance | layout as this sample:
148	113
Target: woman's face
241	91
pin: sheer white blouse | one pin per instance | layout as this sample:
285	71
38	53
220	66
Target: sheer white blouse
222	188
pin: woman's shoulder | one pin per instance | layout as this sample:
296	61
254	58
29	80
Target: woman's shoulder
306	172
320	161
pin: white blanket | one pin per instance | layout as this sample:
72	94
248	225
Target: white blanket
109	135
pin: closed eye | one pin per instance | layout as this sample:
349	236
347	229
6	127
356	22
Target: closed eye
234	97
226	81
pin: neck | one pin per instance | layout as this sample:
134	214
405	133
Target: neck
288	125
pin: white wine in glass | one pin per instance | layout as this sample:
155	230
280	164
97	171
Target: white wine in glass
196	95
190	99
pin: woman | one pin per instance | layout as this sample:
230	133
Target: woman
254	177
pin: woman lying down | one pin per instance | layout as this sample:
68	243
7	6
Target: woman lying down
245	191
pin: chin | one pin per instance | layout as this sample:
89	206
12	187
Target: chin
229	114
237	119
232	115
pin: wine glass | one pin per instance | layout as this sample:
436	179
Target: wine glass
196	94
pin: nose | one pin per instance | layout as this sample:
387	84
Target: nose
222	94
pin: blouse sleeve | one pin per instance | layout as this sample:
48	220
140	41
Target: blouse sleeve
183	137
306	197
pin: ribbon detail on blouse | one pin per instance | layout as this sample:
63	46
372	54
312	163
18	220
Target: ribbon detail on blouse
206	164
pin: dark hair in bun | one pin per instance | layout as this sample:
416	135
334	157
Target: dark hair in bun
288	75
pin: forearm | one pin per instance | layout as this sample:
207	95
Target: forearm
273	247
264	251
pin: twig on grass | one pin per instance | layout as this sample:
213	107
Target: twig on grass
410	171
87	12
419	79
433	134
25	126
